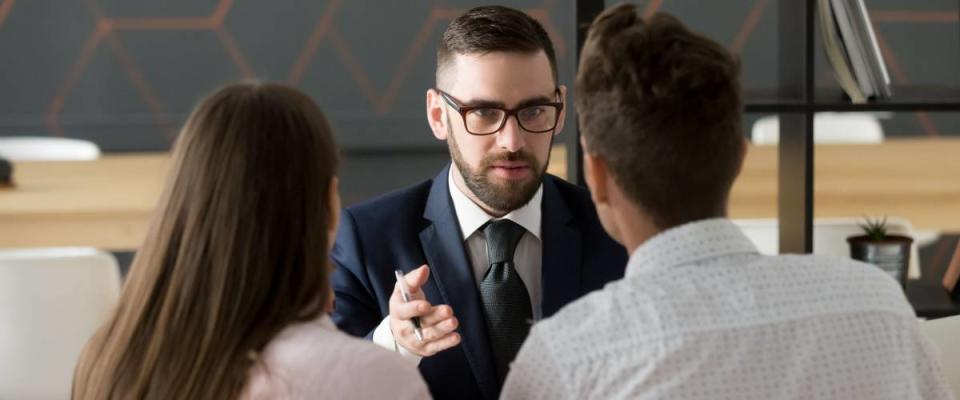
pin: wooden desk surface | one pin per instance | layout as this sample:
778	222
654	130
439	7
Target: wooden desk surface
105	203
918	179
108	203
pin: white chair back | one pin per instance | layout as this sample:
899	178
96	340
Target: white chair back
944	333
829	236
47	149
51	303
828	128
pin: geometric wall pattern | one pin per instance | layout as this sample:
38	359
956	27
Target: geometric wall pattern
124	73
137	67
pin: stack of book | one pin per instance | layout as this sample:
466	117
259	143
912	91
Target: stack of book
852	50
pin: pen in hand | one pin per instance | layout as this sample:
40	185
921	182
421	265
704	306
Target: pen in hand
405	292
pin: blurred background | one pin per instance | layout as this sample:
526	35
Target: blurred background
93	93
125	73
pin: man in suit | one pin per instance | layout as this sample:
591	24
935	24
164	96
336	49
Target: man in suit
491	243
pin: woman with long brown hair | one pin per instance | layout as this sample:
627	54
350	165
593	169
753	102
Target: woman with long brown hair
228	295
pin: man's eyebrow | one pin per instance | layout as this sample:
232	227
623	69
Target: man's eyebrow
536	101
499	104
484	103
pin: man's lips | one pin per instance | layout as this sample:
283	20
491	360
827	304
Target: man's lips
510	164
511	170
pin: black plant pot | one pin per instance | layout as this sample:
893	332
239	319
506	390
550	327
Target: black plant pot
892	254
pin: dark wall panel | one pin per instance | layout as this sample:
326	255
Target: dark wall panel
124	73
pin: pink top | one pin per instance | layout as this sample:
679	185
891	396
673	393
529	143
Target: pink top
313	360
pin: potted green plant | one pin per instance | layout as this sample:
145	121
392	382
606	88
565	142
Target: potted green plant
891	253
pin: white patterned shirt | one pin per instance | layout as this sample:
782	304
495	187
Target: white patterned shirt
701	314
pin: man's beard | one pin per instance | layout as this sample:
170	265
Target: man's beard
504	196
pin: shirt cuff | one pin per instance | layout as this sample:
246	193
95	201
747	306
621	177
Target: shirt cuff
383	337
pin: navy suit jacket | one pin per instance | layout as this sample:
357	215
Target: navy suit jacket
418	225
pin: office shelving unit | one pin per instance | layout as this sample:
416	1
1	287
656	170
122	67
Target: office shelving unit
796	101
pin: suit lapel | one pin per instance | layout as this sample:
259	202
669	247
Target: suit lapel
562	262
444	250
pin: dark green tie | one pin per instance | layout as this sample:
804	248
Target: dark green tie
506	304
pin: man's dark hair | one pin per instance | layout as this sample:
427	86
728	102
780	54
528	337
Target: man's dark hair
662	106
493	28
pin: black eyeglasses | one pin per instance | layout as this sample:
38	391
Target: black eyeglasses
487	120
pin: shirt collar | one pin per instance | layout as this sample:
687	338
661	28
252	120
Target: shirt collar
688	243
472	217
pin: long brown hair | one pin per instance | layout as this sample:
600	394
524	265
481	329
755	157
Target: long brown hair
237	251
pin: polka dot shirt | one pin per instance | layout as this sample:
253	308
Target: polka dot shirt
701	314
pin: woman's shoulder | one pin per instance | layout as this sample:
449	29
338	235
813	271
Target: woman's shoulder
319	341
312	358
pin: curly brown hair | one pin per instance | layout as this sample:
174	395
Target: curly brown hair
662	106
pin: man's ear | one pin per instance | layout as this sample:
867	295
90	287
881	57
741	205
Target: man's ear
435	110
745	147
597	174
563	113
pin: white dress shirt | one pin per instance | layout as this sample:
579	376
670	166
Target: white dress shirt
701	315
313	360
527	257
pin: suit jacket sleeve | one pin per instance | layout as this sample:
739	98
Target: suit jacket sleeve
355	309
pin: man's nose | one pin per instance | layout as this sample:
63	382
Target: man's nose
510	138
